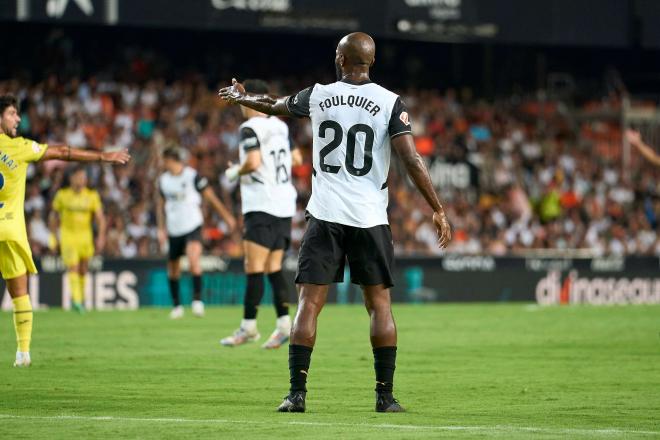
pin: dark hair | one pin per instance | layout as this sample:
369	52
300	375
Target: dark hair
7	101
77	168
73	171
173	153
258	86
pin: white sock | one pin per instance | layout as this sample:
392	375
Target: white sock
284	324
249	325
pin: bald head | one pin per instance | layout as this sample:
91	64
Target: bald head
355	52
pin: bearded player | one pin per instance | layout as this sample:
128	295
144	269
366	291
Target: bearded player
16	262
355	125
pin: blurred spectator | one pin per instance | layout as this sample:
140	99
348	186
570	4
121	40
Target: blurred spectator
513	177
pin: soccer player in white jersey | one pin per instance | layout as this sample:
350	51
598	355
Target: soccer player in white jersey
179	217
268	200
355	124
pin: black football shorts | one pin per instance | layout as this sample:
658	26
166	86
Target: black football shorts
326	246
178	243
267	230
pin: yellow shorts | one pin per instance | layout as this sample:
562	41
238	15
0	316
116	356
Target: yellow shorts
75	250
15	259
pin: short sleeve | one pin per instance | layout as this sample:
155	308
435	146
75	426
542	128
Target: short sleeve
298	104
31	151
96	202
57	201
248	139
400	120
201	183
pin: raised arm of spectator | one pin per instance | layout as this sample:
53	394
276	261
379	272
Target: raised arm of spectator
270	105
636	141
404	147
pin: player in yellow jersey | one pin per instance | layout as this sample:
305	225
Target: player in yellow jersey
76	206
16	262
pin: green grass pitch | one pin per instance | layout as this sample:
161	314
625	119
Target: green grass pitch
464	371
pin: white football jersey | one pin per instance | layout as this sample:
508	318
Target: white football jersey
269	188
183	201
352	125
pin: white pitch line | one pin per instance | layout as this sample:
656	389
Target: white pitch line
449	428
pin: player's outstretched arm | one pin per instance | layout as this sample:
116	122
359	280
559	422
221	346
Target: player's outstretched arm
64	152
219	207
416	169
270	105
636	141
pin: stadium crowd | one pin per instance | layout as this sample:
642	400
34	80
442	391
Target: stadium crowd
516	174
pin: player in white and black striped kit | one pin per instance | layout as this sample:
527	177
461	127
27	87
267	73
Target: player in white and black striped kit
355	125
268	200
179	217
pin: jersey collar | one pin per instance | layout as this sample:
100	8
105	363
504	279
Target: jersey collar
355	83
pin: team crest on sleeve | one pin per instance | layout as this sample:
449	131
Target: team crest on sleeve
404	118
35	147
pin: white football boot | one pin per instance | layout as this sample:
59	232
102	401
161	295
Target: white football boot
240	337
22	359
281	334
276	339
177	312
198	309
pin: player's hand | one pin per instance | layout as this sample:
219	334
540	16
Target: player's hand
231	224
633	137
443	228
232	173
118	157
100	243
162	237
232	93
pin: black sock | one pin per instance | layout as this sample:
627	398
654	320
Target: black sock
254	291
384	364
299	358
280	293
197	287
174	291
